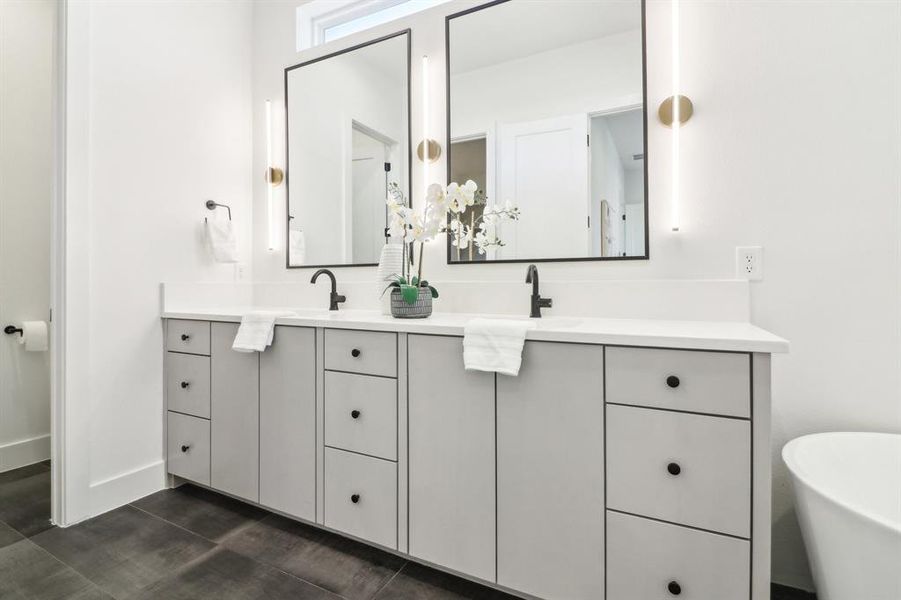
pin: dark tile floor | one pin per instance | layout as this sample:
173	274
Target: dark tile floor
190	543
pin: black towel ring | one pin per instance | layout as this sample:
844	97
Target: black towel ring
213	205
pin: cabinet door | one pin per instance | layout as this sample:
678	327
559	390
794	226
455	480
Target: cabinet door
452	458
234	416
288	423
550	473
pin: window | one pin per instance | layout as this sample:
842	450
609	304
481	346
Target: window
322	21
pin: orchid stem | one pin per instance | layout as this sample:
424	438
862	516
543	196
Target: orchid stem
421	249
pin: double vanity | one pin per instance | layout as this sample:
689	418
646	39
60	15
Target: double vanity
629	460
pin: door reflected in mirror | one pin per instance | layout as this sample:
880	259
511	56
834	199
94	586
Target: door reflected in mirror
348	139
547	115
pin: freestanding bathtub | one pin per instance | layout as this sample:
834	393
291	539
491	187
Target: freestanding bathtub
848	495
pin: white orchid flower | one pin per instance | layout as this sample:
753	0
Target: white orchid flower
436	196
468	192
397	226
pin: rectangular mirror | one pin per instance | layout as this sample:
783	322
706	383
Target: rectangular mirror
348	128
547	115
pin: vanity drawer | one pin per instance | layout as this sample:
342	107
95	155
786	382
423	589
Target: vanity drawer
645	558
188	447
361	496
678	467
188	384
707	382
361	414
367	352
188	336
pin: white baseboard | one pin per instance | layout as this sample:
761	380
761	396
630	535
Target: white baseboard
120	490
24	452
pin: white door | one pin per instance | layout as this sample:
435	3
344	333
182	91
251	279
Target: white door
543	169
368	198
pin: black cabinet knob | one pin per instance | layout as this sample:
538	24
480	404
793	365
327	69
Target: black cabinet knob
673	468
185	448
355	498
355	352
674	588
184	385
672	381
185	337
355	414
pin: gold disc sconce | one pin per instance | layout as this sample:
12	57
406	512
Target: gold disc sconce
665	112
434	150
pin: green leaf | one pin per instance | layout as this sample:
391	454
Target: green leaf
415	281
393	284
410	293
434	291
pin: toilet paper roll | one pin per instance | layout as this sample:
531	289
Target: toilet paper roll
34	336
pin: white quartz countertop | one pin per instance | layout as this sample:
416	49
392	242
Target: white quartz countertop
697	335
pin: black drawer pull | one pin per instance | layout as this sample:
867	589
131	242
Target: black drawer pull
674	588
355	498
185	337
673	468
185	448
355	353
185	385
672	381
355	414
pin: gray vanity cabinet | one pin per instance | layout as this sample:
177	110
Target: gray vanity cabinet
288	423
234	415
550	478
452	458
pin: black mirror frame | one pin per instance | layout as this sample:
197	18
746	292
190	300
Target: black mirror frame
644	93
403	32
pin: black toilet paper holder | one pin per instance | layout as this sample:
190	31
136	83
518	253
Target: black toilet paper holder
11	329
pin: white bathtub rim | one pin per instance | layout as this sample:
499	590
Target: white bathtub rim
789	458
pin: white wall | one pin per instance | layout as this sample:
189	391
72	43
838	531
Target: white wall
27	29
781	92
158	121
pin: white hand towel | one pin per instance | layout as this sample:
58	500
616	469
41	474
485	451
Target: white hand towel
495	345
220	235
256	331
391	262
297	248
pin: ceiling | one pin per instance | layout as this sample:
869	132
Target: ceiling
515	29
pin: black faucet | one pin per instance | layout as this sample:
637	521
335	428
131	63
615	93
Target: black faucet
334	297
537	301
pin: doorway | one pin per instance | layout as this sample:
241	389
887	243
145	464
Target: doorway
373	165
27	155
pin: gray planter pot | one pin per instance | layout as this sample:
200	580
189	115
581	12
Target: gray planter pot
420	309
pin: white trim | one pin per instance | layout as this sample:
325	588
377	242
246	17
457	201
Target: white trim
127	487
70	271
57	269
25	452
315	18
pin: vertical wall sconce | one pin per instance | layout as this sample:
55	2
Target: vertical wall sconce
274	177
428	150
674	112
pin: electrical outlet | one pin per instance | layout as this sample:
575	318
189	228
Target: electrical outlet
749	263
